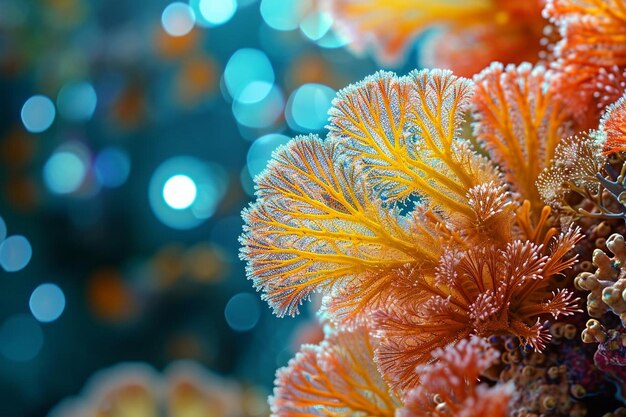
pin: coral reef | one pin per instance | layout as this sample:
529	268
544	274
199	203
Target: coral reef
443	220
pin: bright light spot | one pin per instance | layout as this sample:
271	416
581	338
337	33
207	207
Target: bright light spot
38	113
242	312
112	167
307	108
262	113
283	14
178	19
247	66
217	12
316	25
260	152
15	253
64	172
47	303
332	40
185	191
77	101
179	192
21	338
254	92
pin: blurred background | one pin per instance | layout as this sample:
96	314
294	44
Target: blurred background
130	132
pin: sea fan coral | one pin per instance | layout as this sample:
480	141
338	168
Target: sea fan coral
432	243
591	55
336	378
520	122
470	35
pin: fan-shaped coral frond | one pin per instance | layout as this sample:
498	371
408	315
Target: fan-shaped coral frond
471	33
520	122
484	291
449	387
613	126
405	132
335	379
593	31
577	163
316	226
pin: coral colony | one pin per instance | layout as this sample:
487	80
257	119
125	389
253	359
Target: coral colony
455	226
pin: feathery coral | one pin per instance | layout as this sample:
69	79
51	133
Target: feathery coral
472	34
404	131
484	291
450	387
336	378
317	226
613	125
519	122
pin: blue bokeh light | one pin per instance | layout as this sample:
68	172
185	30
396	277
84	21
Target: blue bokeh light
261	150
173	199
47	303
242	312
248	66
15	253
283	14
262	113
307	107
38	113
21	338
112	167
3	230
65	170
217	12
178	19
77	101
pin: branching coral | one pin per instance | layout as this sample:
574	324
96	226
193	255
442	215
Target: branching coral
471	35
336	378
591	56
485	291
427	238
520	122
442	393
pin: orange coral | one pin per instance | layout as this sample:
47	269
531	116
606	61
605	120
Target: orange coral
450	386
484	291
613	126
336	378
472	33
591	56
520	122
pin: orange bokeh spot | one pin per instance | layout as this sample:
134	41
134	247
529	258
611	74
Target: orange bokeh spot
196	79
170	47
109	296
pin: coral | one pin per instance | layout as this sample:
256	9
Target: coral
613	125
519	121
336	378
470	35
591	56
450	385
606	285
185	389
484	291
